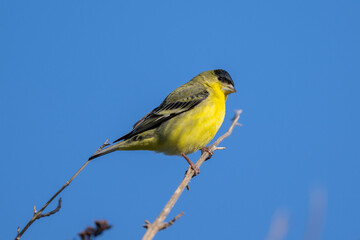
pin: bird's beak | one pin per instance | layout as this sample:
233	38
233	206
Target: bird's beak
228	89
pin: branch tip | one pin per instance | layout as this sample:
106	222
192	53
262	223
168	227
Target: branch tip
238	112
220	148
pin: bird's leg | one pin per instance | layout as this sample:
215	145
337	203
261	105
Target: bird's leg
193	166
207	149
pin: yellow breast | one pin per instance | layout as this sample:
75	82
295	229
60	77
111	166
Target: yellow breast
194	129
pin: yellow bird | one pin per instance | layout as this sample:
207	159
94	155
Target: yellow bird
185	121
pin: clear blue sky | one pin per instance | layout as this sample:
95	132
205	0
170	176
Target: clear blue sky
74	73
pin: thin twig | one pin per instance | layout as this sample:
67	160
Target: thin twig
168	224
38	214
53	211
153	228
164	225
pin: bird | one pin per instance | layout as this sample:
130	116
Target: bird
185	122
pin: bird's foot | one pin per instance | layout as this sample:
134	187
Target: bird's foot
195	168
192	165
207	149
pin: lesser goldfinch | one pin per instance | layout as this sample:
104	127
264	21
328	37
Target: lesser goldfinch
185	121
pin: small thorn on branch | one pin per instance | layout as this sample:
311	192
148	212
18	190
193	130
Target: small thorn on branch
35	210
18	230
147	224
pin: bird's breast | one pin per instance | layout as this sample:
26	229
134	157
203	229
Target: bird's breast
194	129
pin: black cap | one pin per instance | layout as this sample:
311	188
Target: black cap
224	76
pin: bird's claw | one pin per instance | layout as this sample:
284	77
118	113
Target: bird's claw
196	170
207	149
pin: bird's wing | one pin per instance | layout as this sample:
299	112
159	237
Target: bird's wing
181	100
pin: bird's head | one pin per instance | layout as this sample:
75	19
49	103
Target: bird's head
219	79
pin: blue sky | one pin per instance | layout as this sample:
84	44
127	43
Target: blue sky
74	73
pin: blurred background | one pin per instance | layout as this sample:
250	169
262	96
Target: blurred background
74	73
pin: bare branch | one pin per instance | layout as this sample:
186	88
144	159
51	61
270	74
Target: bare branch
158	224
38	214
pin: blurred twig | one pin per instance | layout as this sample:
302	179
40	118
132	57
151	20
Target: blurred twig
157	225
91	232
279	225
317	212
38	214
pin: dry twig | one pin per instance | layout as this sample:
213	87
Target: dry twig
91	232
164	225
38	214
157	225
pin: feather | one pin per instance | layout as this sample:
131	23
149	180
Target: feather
173	105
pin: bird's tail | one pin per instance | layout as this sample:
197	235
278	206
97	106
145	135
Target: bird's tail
105	151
